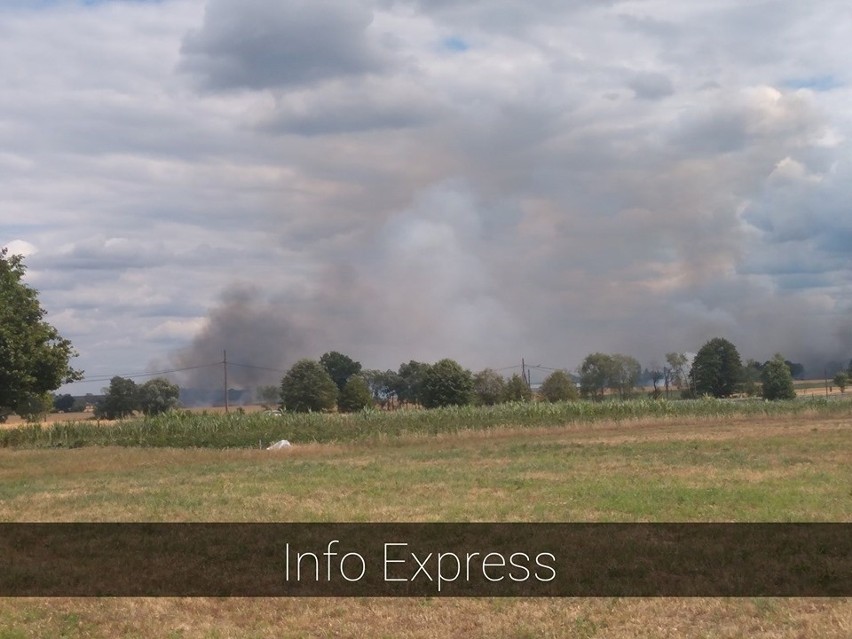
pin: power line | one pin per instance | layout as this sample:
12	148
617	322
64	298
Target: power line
106	378
260	368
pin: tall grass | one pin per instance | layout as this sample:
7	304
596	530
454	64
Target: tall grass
181	429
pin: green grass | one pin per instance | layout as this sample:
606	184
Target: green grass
785	467
726	470
183	429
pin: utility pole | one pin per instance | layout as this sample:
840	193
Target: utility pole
225	371
523	370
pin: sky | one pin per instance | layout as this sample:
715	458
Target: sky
420	179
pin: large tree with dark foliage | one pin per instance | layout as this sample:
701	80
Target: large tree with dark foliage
34	358
307	387
717	369
121	399
446	383
158	396
339	367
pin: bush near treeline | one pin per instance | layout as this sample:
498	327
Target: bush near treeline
181	429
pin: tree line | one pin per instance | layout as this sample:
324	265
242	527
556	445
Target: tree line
35	360
338	382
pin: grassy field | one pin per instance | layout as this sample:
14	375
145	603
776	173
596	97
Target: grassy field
761	466
184	429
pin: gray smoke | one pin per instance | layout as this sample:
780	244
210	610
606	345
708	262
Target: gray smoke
260	340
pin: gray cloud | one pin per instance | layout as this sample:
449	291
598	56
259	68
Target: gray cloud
257	44
651	86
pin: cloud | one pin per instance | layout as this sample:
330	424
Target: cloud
580	176
258	44
651	86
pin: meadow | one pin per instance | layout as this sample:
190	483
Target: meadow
689	462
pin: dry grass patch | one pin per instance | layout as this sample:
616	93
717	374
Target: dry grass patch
431	618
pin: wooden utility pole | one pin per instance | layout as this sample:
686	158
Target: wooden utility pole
225	371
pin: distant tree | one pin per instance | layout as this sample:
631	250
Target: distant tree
752	377
674	374
412	378
656	375
624	374
558	387
307	387
717	369
777	380
340	367
841	380
446	383
596	371
384	385
157	396
355	395
120	399
489	387
517	389
63	403
34	358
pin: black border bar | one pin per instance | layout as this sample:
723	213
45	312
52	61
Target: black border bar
431	559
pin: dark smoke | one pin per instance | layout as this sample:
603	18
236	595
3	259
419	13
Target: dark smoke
261	343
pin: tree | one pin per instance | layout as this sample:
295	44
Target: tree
157	396
340	367
517	389
384	385
752	377
624	374
674	374
489	387
558	387
120	399
412	377
308	387
595	374
355	395
63	403
34	358
446	383
717	369
841	380
777	379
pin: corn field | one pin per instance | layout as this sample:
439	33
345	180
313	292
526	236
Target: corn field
182	429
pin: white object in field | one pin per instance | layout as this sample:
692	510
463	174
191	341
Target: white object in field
279	445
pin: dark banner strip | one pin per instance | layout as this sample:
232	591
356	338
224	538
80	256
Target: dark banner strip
416	560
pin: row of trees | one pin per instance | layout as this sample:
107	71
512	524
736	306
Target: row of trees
716	370
35	359
124	397
338	381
